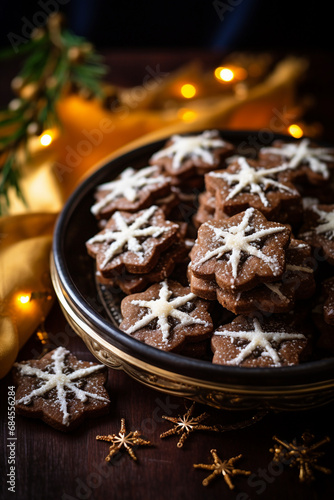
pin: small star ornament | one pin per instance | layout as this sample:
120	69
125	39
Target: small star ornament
222	467
186	424
124	439
304	455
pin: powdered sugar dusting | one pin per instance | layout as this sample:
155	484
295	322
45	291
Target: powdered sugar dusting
59	380
162	308
192	146
258	338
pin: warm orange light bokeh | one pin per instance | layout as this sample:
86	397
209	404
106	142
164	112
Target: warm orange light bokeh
188	90
224	74
23	299
296	131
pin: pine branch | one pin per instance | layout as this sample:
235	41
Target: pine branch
57	61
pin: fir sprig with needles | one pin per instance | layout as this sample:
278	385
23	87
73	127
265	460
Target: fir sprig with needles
56	63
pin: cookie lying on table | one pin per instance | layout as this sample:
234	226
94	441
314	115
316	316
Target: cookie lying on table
60	389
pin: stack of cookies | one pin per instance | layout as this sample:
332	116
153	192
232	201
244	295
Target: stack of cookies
185	159
136	249
264	238
250	264
137	246
318	230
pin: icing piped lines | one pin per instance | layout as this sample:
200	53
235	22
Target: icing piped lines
128	185
258	338
162	308
60	381
327	222
128	235
252	179
300	153
192	146
235	241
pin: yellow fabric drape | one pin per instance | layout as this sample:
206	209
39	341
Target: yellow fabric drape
24	267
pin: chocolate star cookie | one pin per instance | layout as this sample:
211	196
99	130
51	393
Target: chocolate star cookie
133	241
166	316
133	190
250	342
297	282
248	183
307	162
240	252
186	155
60	389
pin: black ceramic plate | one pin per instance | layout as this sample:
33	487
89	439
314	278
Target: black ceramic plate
73	276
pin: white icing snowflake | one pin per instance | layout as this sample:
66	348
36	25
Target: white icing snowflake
253	180
301	152
327	222
235	241
60	381
258	338
192	146
129	235
162	308
128	185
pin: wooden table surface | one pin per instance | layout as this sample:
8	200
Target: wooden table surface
53	465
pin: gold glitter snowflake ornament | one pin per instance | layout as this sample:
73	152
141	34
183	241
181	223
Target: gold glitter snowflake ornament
123	440
222	467
304	456
185	424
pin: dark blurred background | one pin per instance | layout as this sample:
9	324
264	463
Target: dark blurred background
224	24
207	29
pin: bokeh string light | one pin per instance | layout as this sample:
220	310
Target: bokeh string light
295	130
224	74
228	74
188	90
24	298
46	138
26	303
187	115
